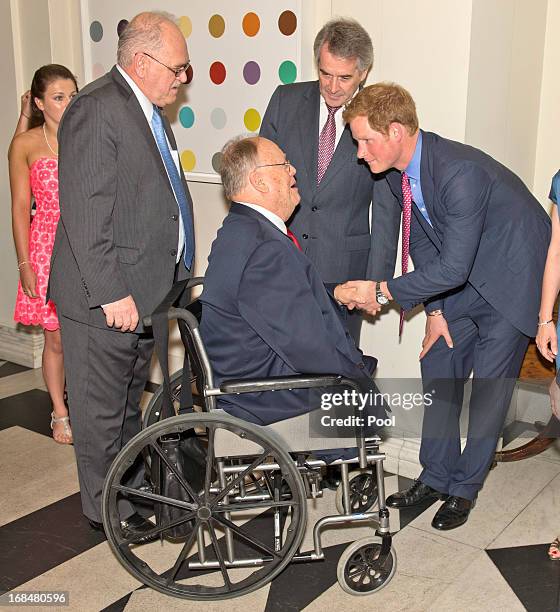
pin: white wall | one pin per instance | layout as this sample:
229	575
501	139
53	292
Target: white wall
481	71
548	152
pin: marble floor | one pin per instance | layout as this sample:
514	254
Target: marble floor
497	561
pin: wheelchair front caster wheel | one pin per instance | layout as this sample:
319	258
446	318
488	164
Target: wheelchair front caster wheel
361	570
363	492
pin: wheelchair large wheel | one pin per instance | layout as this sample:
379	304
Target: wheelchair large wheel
234	541
153	409
362	571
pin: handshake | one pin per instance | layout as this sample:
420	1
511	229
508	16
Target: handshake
360	294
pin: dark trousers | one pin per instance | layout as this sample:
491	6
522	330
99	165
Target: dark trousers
106	372
489	346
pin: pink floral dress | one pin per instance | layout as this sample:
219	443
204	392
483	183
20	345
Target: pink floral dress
43	176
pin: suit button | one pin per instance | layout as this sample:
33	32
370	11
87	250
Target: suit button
314	208
305	236
361	365
173	252
174	217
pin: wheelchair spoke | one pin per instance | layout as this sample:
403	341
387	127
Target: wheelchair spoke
176	472
209	463
156	531
264	505
183	554
219	556
244	536
156	497
240	477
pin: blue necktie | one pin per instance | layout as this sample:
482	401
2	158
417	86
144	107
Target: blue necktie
176	183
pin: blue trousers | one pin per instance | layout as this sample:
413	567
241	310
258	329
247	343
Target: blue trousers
489	346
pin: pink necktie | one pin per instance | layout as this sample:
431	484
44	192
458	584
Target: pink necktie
292	237
327	139
406	212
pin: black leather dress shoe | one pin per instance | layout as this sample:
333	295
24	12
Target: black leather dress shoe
136	525
416	494
453	513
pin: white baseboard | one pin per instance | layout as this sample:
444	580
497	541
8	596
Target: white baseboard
402	456
22	344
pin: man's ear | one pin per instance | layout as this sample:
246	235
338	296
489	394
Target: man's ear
139	65
396	131
257	182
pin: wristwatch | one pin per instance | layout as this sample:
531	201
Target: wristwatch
379	295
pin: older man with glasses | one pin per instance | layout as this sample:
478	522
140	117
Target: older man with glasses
265	309
126	233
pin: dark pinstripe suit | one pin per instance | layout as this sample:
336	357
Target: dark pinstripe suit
117	236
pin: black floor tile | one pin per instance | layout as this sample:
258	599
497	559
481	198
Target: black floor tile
41	540
31	409
9	368
119	605
532	576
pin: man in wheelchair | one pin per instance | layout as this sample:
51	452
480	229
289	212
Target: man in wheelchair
265	310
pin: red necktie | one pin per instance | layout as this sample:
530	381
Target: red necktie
292	237
406	212
327	140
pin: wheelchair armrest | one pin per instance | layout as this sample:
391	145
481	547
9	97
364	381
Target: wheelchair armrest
280	383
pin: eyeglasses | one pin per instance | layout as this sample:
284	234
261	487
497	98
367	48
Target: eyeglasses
176	71
286	164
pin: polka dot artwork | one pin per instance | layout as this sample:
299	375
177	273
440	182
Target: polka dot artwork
185	25
287	72
239	53
188	160
217	73
121	26
186	117
216	26
96	31
190	74
251	24
217	162
218	118
252	120
287	23
251	72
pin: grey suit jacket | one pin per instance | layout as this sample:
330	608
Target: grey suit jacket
332	220
119	220
487	229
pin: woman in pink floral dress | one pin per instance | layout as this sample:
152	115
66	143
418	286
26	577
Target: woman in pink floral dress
33	159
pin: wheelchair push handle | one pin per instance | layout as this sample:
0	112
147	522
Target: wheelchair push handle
178	313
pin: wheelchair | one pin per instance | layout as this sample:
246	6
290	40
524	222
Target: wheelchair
228	522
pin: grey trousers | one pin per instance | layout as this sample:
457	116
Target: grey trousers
106	372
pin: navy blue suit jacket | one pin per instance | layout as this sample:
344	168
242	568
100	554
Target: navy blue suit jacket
487	230
266	312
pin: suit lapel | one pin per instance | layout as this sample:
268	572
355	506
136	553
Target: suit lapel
137	116
309	133
427	183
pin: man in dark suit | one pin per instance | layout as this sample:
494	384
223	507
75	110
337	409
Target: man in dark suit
125	234
265	310
336	188
478	240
